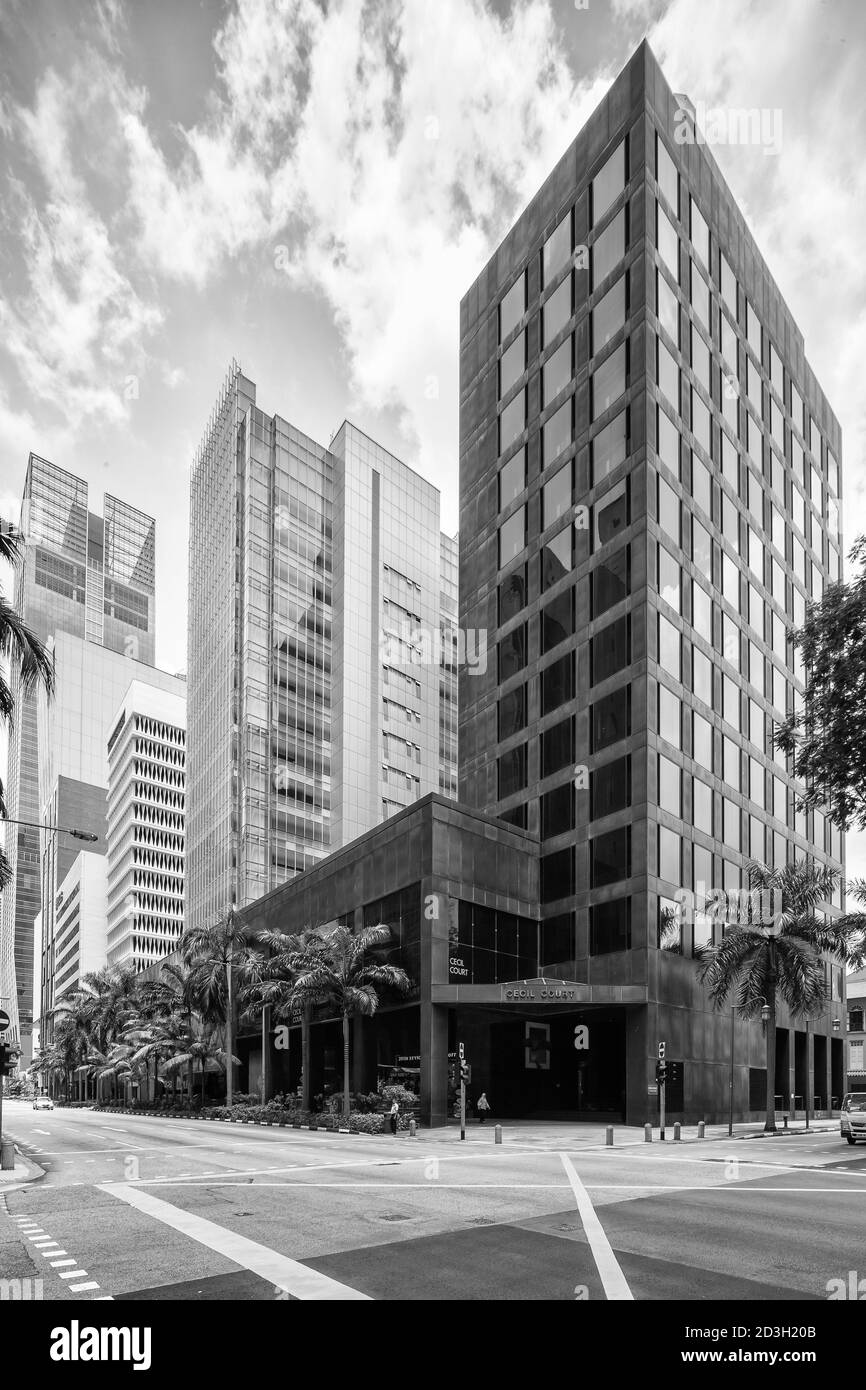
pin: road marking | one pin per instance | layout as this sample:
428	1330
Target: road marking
73	1273
612	1277
43	1244
79	1288
290	1275
49	1254
42	1131
59	1263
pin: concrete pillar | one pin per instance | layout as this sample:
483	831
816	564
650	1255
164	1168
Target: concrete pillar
434	1063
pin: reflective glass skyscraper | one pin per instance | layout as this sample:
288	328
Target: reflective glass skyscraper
315	575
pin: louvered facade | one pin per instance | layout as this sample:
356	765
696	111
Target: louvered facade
146	822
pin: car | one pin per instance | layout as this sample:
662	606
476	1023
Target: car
853	1121
43	1103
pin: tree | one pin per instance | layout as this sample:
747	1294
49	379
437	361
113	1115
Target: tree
171	997
220	958
204	1050
28	659
828	737
287	957
347	973
102	1006
781	955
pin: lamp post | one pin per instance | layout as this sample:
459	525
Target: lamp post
64	829
765	1014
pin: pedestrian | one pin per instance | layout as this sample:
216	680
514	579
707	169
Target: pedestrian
482	1105
395	1111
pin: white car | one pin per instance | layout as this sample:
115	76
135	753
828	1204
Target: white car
43	1103
853	1120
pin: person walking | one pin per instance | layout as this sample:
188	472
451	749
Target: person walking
394	1112
482	1105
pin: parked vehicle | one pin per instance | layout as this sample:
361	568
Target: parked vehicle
853	1120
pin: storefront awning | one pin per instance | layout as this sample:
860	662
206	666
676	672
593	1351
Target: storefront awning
541	993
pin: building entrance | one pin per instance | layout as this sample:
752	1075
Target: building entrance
554	1066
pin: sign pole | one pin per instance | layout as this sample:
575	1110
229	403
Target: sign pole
662	1105
460	1055
661	1072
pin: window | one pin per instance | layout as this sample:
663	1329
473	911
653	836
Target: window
776	373
512	771
557	747
512	365
557	683
610	581
731	763
669	648
610	650
667	177
610	718
557	250
668	375
557	810
669	716
608	250
669	786
512	421
699	295
730	462
729	342
702	741
557	372
702	611
556	497
731	824
753	330
731	703
557	310
610	857
610	788
702	676
557	943
557	875
609	380
780	800
668	242
670	929
702	549
512	536
756	782
728	285
609	447
702	806
700	232
557	558
512	653
610	927
669	580
512	594
608	183
668	447
670	855
667	308
556	433
611	515
702	871
511	712
753	385
609	315
701	423
512	308
512	479
701	360
557	620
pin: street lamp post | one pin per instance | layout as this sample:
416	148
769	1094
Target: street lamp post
64	829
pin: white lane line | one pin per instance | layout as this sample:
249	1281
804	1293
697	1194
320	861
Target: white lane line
42	1131
612	1277
73	1273
79	1288
49	1254
58	1264
43	1244
290	1275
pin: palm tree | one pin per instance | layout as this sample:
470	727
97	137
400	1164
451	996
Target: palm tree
220	958
347	973
205	1051
102	1006
174	1000
763	959
29	660
288	956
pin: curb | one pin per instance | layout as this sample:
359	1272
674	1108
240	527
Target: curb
35	1173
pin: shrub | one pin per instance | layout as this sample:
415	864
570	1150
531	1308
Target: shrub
367	1124
401	1094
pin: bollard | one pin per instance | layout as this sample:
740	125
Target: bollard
677	1132
648	1133
785	1121
7	1155
701	1128
608	1137
497	1134
412	1129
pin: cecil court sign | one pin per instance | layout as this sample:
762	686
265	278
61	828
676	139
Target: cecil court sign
538	993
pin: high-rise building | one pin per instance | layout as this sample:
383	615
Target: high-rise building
146	814
315	592
74	728
93	577
650	485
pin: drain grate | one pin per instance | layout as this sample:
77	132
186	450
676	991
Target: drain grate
481	1221
395	1216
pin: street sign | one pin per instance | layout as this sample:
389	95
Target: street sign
4	1020
661	1052
460	1050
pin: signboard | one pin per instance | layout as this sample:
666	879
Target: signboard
4	1020
538	992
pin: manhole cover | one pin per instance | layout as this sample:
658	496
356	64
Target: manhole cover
395	1216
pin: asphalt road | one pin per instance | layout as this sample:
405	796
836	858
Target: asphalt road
133	1207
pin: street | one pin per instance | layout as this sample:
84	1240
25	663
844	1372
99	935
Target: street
133	1207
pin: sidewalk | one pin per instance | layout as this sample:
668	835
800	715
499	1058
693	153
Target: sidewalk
25	1171
553	1134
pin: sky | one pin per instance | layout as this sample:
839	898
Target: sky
310	188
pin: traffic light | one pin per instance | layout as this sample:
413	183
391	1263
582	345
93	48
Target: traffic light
8	1060
661	1072
465	1071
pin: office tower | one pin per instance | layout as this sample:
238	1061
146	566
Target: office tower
74	728
80	922
650	486
448	665
91	576
314	602
146	813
